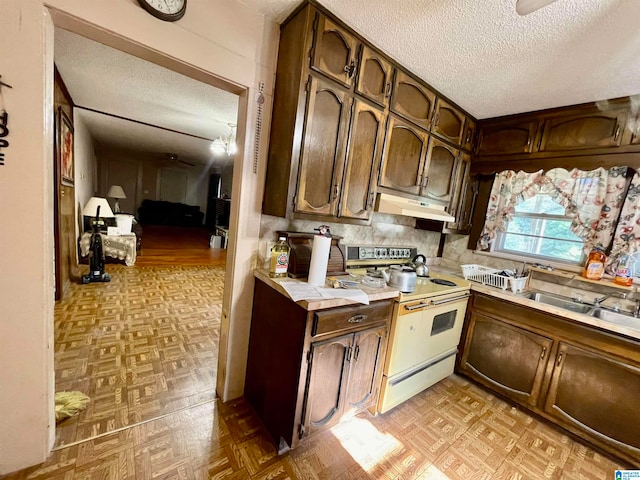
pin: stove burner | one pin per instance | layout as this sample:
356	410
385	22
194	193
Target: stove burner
441	281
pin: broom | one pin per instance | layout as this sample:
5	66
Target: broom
69	404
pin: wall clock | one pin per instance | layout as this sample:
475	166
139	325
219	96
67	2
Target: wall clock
167	10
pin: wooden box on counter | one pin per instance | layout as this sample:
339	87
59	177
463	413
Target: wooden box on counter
300	255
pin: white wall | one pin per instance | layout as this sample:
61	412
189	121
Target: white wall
85	167
220	38
26	242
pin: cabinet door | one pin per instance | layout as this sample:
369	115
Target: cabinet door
326	383
448	122
464	200
374	77
439	177
334	51
470	130
405	149
369	347
363	160
504	139
506	358
597	394
412	100
604	129
323	149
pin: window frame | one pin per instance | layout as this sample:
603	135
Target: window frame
498	245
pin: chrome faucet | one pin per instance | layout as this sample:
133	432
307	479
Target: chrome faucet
598	301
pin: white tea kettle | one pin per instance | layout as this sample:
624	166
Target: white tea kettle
402	278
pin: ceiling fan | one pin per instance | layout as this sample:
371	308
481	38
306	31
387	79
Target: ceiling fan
172	158
525	7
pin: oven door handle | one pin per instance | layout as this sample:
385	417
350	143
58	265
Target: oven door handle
416	306
449	300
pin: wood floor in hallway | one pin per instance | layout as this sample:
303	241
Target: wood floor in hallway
146	343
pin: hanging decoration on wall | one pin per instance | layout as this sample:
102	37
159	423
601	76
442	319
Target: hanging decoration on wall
4	123
256	146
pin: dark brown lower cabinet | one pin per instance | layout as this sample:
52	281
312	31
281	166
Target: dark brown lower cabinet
592	391
506	358
342	377
583	379
308	369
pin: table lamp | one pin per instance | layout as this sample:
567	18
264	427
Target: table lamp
116	192
91	207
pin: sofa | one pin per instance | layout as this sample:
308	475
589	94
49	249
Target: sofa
159	212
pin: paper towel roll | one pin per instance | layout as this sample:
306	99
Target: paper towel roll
319	260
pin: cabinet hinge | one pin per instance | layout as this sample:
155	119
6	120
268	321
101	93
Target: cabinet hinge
301	431
309	356
306	86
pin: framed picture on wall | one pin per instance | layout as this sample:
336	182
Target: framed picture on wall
65	148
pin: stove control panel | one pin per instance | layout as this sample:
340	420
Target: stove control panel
381	253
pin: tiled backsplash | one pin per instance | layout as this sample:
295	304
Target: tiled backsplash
391	230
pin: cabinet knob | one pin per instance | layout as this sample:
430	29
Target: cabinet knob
559	360
350	68
617	134
544	352
387	92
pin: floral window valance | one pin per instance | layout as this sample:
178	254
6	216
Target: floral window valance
592	199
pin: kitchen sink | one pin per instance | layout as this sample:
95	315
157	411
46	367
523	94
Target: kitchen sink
557	301
602	313
618	318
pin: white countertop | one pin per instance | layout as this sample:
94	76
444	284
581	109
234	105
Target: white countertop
374	294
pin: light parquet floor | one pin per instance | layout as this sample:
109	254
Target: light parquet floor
143	345
453	431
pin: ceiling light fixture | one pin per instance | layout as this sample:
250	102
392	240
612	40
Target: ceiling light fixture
525	7
227	145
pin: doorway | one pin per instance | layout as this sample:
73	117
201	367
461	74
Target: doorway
147	343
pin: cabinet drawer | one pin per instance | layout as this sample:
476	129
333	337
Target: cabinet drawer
350	318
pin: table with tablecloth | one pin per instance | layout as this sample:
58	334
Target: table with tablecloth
122	247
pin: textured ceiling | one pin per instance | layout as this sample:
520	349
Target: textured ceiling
115	83
493	62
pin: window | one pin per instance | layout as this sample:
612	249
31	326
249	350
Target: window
541	229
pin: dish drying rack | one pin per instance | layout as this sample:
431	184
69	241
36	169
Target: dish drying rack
489	276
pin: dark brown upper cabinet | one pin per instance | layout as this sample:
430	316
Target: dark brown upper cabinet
412	100
469	138
334	51
448	122
591	130
374	77
363	162
507	138
464	201
323	149
439	179
405	150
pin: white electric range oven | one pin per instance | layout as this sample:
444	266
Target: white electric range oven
425	329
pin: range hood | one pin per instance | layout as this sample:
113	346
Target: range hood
411	208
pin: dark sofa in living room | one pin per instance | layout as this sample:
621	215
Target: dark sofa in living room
159	212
